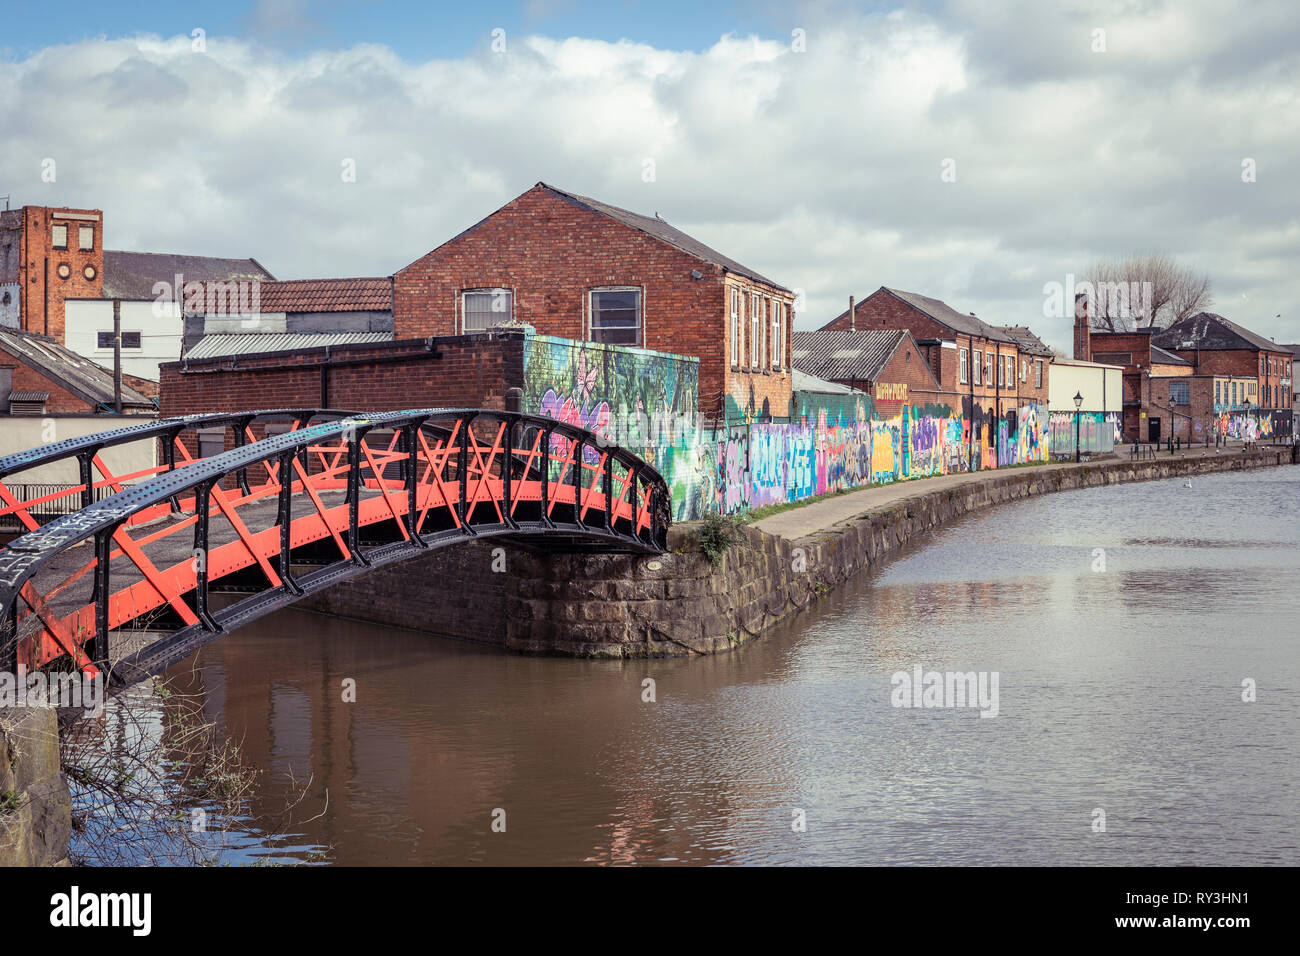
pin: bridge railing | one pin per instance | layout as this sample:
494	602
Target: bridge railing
21	511
295	512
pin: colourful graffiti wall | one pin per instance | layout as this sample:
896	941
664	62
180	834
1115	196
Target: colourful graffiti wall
1254	426
644	401
1096	433
647	402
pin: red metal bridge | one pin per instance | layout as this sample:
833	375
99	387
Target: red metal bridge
111	574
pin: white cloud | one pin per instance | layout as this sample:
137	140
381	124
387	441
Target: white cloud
820	169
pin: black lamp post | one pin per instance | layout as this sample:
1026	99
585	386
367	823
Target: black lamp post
1078	404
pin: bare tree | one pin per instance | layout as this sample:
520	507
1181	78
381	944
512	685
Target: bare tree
1144	291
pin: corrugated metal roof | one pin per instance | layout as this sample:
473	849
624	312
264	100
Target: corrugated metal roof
132	275
246	343
29	396
803	382
845	355
87	380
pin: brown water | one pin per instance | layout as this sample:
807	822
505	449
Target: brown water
1119	689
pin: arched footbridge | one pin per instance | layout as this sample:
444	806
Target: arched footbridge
111	573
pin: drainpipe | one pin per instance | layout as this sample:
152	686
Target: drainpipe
997	404
970	388
117	356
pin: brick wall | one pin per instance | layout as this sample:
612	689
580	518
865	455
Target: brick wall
43	289
468	371
551	252
908	366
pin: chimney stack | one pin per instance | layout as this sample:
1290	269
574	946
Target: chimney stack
853	316
1082	330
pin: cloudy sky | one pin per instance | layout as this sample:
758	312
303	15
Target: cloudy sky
808	141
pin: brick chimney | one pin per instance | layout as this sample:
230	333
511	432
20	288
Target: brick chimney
1082	333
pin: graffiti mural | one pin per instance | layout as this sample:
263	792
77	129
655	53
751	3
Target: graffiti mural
644	401
647	402
1096	433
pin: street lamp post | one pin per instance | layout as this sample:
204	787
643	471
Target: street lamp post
1078	404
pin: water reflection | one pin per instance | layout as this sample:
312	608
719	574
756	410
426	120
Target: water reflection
1119	689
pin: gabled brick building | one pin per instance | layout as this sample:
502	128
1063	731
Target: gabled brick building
1182	381
579	268
968	357
1214	345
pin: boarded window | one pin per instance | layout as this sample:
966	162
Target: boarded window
59	236
616	316
86	238
212	441
130	340
485	308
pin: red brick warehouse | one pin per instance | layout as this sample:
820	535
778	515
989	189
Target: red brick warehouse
575	267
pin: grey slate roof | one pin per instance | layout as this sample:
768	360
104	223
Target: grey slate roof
86	379
659	229
1208	330
942	313
1166	358
1026	340
221	345
131	275
845	356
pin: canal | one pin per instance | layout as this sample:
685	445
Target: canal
1120	623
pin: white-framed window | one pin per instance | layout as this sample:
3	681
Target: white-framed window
616	315
756	330
1011	371
778	317
1024	370
988	367
481	309
736	326
963	361
979	365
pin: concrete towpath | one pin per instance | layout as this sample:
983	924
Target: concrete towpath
826	513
